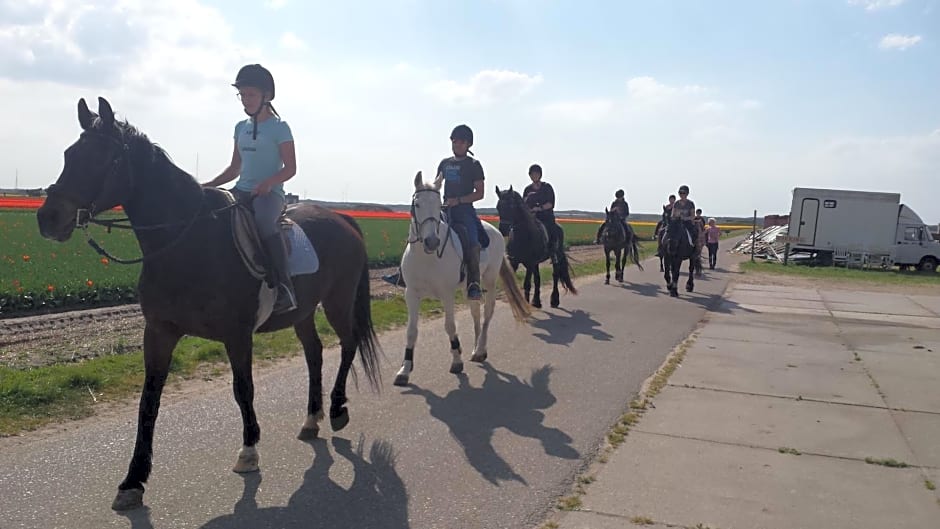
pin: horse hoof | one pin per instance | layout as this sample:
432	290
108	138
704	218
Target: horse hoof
340	421
128	499
688	289
478	358
607	281
674	293
309	434
247	460
537	304
456	367
401	380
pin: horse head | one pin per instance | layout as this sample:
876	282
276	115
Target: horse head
509	207
426	212
96	176
613	230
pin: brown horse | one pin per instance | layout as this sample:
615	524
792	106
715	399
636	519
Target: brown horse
193	281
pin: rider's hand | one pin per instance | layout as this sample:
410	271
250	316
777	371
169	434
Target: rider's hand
451	202
263	188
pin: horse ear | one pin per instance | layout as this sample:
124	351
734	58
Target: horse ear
497	190
510	188
418	180
438	181
104	110
86	118
606	212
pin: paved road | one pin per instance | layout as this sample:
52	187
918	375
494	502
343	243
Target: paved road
491	448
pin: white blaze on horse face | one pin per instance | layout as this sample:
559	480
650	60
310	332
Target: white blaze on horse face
427	214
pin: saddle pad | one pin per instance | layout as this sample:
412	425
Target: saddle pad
302	258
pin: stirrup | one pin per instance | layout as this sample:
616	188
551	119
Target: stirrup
285	300
474	292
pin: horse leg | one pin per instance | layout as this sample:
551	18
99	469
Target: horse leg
411	337
675	264
694	266
450	327
623	263
618	265
239	356
340	316
607	260
306	331
489	304
661	267
555	301
537	286
158	351
527	283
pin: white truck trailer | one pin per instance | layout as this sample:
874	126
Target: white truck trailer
833	222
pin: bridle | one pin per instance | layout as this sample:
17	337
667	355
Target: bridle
86	216
419	225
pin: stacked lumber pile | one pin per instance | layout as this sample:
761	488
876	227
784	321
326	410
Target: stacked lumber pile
765	243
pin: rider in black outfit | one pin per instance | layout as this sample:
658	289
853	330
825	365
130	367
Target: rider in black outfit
620	205
539	196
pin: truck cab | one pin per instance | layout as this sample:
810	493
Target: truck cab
915	244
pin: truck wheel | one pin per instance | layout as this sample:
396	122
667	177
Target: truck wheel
928	264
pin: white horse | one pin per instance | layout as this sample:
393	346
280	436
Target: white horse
430	267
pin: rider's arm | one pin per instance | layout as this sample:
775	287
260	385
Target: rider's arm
231	172
476	195
549	204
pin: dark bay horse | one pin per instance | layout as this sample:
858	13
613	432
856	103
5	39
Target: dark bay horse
528	245
193	281
622	242
675	247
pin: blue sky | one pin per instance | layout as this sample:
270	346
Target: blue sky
740	100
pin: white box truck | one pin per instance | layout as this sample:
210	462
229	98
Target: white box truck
833	221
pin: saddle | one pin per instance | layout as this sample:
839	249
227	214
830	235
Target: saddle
301	255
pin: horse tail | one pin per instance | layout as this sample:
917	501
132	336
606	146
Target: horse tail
517	302
564	270
363	328
635	253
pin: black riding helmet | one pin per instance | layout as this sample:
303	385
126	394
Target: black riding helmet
255	76
462	132
684	189
619	193
535	168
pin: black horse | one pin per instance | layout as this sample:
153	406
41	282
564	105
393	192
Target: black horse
618	237
676	247
194	282
528	244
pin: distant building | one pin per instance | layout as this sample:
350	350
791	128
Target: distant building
37	192
776	220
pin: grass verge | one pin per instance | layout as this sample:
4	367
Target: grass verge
831	273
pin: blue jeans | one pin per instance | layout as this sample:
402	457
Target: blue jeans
465	215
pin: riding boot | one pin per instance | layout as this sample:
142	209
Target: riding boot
277	256
600	231
474	293
395	279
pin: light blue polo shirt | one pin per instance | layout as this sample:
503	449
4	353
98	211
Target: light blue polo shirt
261	156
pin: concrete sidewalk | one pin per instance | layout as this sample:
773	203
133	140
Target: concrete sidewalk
784	413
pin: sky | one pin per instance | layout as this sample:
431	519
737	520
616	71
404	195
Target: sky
740	100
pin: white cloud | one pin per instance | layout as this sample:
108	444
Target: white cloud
648	90
898	42
710	107
275	4
875	5
486	87
291	41
585	110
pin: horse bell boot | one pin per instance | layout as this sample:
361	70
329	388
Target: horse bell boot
277	256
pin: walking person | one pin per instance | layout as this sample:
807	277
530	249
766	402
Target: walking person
712	235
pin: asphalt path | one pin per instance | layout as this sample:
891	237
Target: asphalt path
490	448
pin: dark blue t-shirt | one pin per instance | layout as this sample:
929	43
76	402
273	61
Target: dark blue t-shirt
459	175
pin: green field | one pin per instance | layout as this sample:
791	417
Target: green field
38	274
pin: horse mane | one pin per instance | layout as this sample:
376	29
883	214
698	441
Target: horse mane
518	203
140	144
